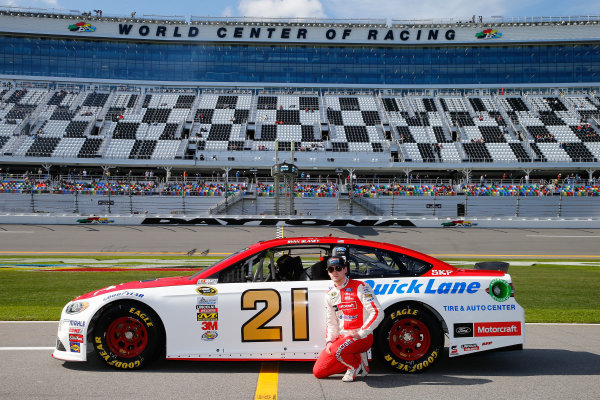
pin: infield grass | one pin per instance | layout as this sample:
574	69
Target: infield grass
548	292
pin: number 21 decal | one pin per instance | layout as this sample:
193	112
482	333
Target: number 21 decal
255	329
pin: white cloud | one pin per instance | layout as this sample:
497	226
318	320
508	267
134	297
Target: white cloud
414	9
31	3
281	8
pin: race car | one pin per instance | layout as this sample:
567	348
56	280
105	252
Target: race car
266	302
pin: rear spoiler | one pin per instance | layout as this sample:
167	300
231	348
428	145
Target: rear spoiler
493	265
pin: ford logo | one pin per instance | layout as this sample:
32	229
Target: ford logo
463	330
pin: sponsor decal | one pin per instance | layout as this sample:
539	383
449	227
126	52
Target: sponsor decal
348	289
463	330
453	350
77	323
333	293
82	27
209	335
500	290
420	286
75	330
95	220
75	347
441	272
125	293
206	301
497	328
206	290
347	306
470	347
76	338
206	309
486	343
210	325
488	34
208	316
207	282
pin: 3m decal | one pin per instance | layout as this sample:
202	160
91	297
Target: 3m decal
210	325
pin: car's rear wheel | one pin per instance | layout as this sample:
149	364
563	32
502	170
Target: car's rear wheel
127	336
409	339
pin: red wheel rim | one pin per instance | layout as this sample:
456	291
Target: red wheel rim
127	337
409	339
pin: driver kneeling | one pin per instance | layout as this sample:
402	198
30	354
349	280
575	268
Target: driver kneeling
352	313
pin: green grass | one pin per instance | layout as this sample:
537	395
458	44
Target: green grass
549	293
41	295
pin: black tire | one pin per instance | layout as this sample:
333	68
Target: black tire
409	339
127	336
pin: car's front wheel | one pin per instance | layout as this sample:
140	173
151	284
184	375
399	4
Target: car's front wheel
127	336
409	339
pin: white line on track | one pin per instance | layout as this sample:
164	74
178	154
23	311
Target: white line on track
25	348
563	236
16	231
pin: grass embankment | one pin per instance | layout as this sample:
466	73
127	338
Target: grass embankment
549	293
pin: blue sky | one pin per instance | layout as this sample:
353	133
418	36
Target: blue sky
342	9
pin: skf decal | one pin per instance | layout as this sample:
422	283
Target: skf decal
206	291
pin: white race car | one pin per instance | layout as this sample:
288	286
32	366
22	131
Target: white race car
266	302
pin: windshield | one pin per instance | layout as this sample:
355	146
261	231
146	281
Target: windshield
219	261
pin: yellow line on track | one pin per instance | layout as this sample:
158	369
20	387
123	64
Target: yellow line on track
266	387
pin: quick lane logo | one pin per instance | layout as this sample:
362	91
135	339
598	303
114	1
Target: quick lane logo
431	287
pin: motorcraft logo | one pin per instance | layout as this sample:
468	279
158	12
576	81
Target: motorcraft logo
82	27
498	328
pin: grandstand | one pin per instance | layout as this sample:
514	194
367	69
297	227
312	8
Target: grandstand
446	99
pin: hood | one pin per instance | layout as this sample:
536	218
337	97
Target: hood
150	283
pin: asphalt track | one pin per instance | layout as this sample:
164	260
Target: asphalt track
173	239
558	362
